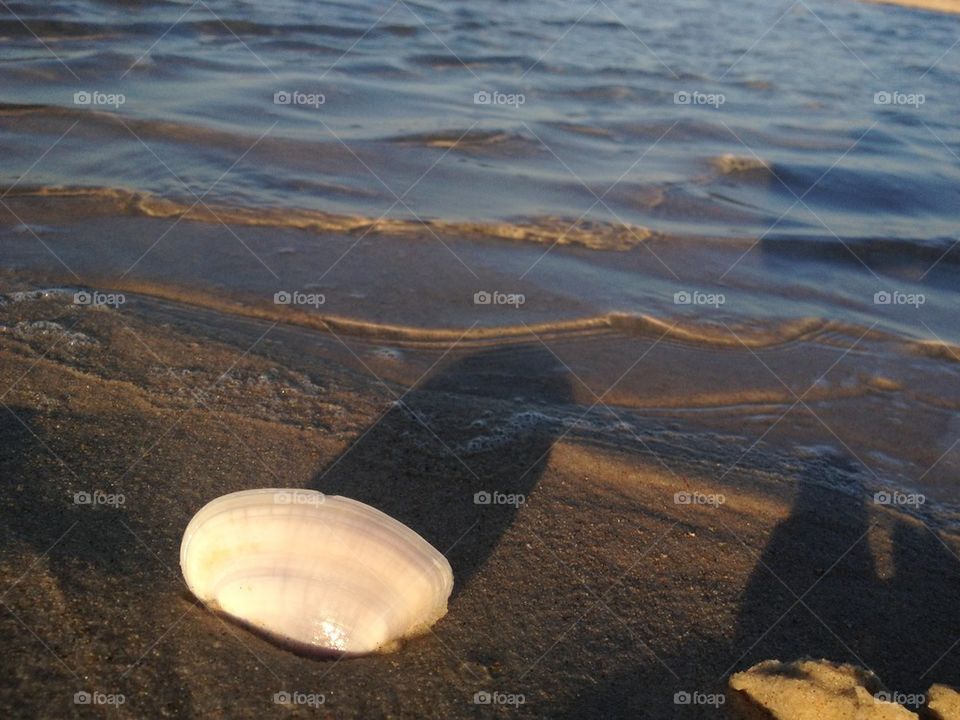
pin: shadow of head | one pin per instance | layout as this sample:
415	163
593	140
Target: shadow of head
56	512
820	590
458	455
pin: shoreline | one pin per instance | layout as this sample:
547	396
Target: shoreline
856	370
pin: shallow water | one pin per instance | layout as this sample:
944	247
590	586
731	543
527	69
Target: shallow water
734	189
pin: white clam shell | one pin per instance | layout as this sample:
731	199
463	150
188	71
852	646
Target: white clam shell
320	573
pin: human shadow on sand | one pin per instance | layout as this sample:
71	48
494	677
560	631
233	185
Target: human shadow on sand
875	588
887	604
447	458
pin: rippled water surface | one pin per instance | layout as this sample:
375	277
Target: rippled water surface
596	125
734	175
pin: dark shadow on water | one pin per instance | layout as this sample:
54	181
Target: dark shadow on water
470	427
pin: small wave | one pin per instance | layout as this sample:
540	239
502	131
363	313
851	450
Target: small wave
936	349
547	230
231	27
581	129
52	30
558	231
107	123
466	140
758	84
612	93
682	131
448	60
742	166
775	334
17	108
752	336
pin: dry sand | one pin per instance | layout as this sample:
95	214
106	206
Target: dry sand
599	597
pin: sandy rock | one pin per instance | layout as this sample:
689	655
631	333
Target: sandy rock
943	703
810	690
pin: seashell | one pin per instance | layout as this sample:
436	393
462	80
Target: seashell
320	574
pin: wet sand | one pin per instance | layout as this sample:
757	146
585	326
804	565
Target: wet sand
600	596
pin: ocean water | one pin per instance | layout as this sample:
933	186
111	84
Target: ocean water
740	215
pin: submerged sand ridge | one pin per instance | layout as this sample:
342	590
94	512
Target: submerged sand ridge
166	412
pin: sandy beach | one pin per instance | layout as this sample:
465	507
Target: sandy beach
599	596
628	331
